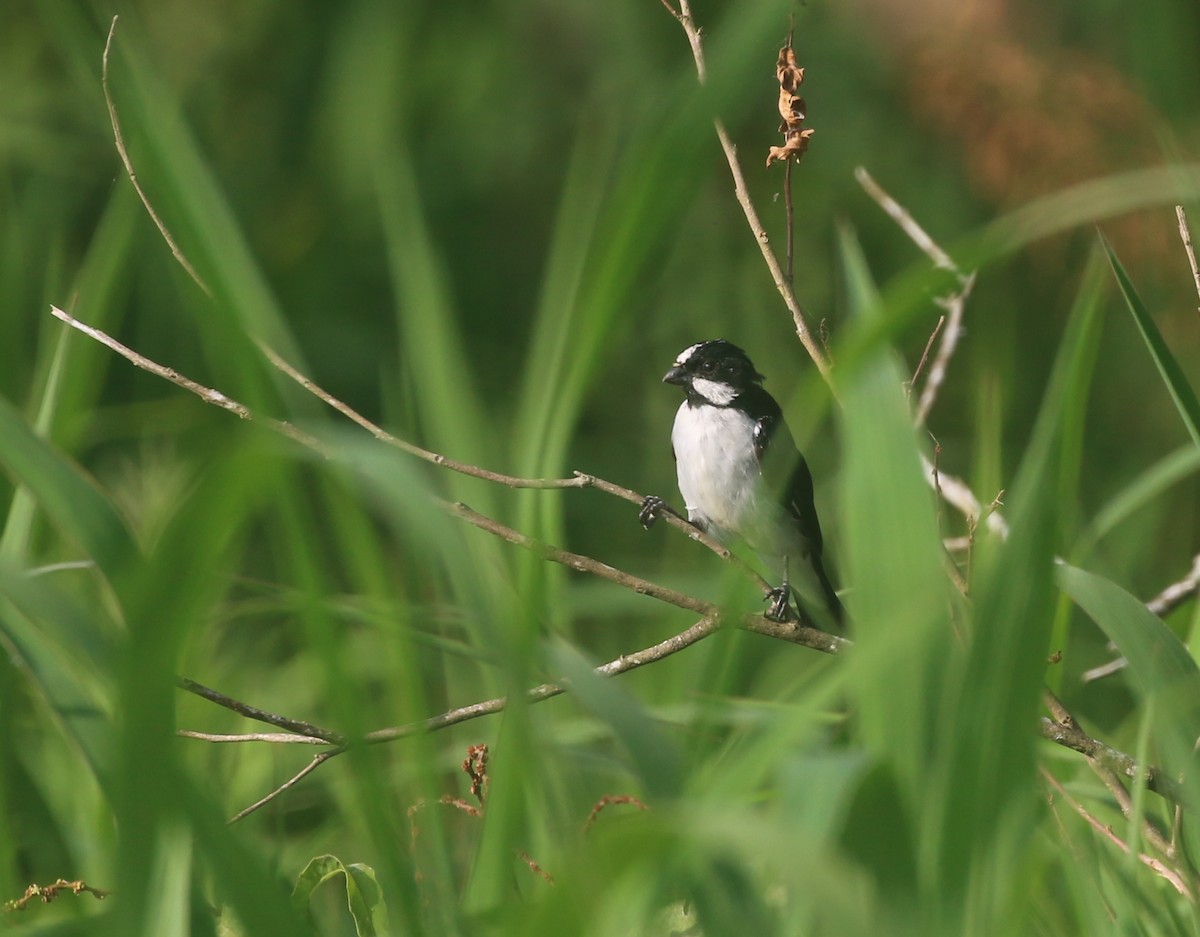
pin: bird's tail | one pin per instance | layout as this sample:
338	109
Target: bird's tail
831	597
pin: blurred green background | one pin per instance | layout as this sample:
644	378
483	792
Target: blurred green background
490	227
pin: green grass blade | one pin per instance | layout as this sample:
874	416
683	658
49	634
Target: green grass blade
898	597
1168	368
189	199
1162	671
984	797
71	500
1151	483
18	525
1159	664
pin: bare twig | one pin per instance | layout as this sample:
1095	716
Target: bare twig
583	564
1174	595
789	213
925	354
1159	867
1111	779
1116	665
303	731
119	139
318	760
786	631
789	103
683	14
1151	833
1186	235
276	738
953	304
899	214
207	394
1071	736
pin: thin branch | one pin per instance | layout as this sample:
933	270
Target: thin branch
672	645
789	208
1185	235
319	759
1159	867
787	631
925	354
1111	779
119	139
275	738
306	731
583	564
789	213
1073	737
1174	595
953	304
684	16
207	394
1151	833
899	214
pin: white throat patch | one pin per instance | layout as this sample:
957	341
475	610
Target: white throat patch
715	392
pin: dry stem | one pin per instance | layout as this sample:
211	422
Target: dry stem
1185	235
119	139
684	16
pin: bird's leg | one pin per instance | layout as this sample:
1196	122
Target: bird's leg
780	610
654	507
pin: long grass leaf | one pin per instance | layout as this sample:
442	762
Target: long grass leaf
71	500
1168	368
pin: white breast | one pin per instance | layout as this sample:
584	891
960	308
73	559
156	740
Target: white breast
718	474
722	485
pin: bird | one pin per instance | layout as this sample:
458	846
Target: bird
739	471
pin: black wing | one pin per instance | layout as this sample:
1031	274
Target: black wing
785	470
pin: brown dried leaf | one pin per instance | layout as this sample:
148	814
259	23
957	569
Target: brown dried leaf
795	145
792	108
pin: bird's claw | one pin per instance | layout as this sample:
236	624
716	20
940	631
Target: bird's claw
780	610
652	507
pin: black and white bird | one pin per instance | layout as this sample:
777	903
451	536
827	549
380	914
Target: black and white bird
739	471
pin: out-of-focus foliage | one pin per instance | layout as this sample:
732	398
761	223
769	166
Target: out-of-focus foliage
490	227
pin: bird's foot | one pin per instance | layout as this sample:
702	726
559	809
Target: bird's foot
652	508
780	610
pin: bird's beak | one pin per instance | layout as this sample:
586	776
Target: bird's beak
677	375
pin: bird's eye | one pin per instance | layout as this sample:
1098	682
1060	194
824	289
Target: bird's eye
708	367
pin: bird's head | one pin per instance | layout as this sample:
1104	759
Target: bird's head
716	371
